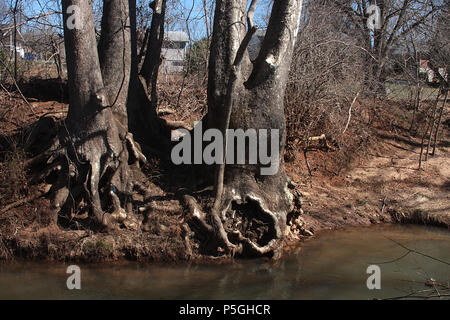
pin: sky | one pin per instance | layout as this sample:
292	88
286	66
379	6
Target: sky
178	12
197	24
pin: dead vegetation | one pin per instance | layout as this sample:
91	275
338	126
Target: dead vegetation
337	194
351	157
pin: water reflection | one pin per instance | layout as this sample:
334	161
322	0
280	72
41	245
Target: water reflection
331	266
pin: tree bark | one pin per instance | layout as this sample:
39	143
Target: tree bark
253	207
436	135
228	32
91	152
143	120
114	49
152	60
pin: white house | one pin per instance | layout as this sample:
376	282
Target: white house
173	51
6	34
430	74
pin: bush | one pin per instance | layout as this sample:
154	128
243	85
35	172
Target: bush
13	180
327	72
197	57
7	66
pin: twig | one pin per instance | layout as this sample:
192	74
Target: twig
412	251
18	89
6	90
412	295
350	112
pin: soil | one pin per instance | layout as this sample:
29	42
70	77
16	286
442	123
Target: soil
381	184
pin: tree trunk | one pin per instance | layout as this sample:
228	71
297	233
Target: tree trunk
152	60
433	120
254	206
57	59
436	135
416	106
143	121
114	49
91	151
228	32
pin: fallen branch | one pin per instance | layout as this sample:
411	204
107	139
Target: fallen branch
163	111
321	137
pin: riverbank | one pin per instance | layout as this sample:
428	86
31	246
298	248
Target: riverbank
381	184
384	187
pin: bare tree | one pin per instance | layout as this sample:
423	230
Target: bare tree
250	209
397	20
93	150
152	60
439	48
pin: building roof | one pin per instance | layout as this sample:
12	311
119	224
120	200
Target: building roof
176	36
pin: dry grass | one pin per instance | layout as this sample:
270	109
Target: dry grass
185	95
13	177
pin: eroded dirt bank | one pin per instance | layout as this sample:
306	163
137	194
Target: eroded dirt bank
381	185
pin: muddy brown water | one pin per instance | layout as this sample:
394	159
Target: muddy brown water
332	265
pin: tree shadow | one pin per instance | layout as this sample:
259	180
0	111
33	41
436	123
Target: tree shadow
394	137
45	90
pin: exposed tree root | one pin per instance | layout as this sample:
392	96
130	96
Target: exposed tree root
173	125
248	227
197	214
135	150
81	176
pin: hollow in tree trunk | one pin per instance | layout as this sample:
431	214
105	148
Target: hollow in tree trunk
253	206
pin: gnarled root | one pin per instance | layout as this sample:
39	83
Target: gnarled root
86	175
212	230
196	214
244	225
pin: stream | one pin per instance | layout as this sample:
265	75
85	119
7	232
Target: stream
332	265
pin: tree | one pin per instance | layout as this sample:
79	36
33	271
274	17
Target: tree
439	52
94	153
250	209
197	58
152	60
95	156
397	20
